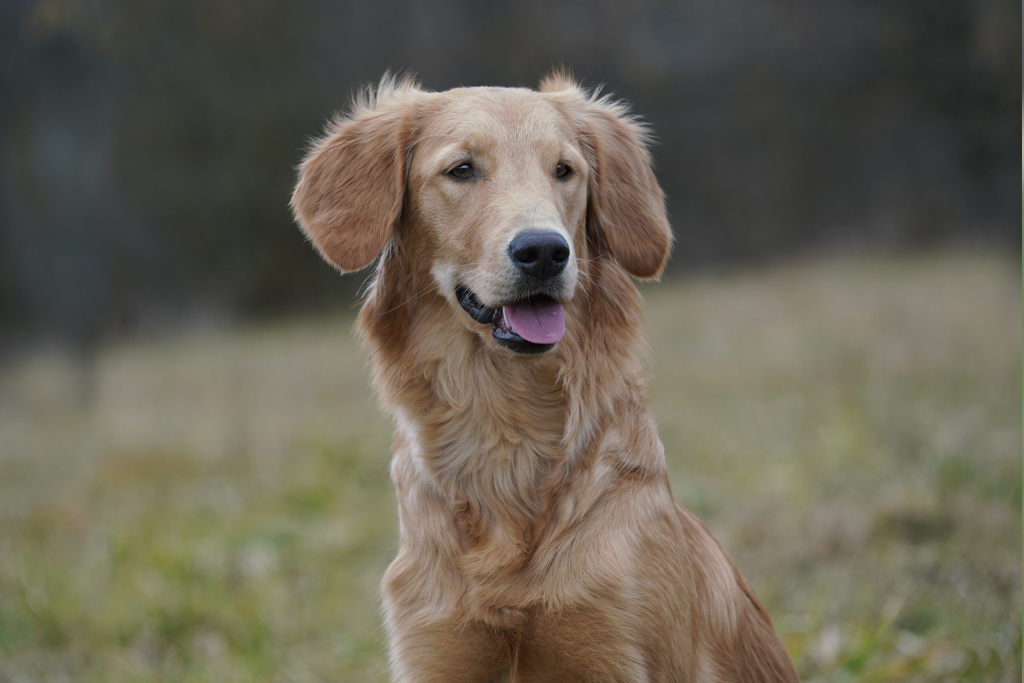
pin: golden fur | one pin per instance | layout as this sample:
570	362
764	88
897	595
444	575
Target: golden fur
539	538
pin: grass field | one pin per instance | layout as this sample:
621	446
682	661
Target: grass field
220	510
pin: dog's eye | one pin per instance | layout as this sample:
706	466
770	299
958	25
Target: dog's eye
562	171
462	171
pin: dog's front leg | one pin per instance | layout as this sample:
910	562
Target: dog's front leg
446	650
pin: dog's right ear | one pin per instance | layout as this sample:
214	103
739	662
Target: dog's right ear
352	182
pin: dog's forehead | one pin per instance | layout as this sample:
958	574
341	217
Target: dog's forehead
485	117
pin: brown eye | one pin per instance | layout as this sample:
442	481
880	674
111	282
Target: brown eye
462	171
562	171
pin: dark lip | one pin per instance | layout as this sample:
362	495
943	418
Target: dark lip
495	317
472	305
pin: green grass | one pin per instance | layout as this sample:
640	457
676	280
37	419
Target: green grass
220	511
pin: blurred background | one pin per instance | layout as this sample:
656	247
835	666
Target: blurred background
193	479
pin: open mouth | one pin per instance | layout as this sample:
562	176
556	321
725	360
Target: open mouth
529	326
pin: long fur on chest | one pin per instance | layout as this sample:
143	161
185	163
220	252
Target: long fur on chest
507	454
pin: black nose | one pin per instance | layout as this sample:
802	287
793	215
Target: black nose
541	254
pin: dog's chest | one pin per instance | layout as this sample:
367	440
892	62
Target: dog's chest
488	510
587	641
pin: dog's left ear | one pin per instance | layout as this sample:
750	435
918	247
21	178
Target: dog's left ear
352	183
627	207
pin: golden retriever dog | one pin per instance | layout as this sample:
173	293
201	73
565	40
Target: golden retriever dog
539	538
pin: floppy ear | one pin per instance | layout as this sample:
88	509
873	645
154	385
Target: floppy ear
626	206
351	184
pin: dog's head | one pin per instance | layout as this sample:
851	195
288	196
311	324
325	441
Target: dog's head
497	198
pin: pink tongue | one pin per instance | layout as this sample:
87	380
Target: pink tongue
538	320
